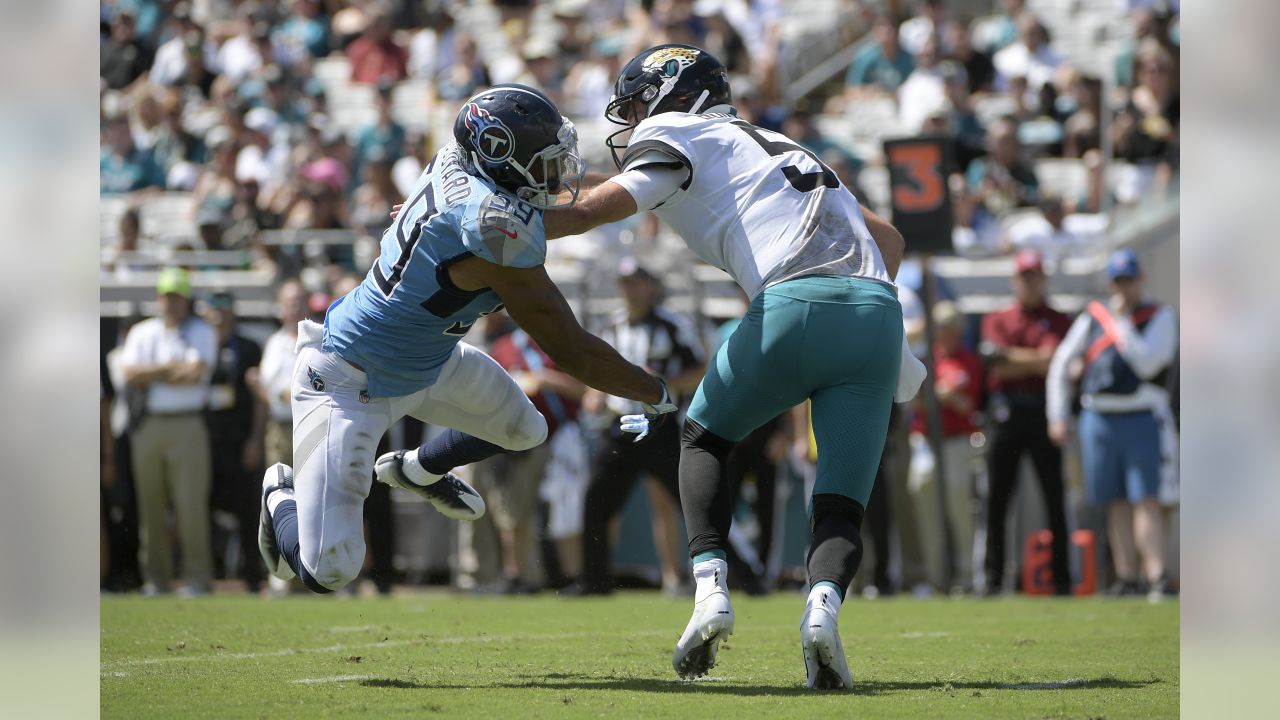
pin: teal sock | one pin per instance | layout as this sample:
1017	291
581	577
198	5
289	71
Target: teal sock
716	554
839	590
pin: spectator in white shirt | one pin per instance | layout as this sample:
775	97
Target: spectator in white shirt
923	92
244	54
1121	353
170	63
927	23
273	381
1031	56
170	358
1056	234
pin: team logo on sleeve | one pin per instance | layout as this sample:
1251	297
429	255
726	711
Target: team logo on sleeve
490	136
670	61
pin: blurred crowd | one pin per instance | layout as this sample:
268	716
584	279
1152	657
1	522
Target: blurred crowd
233	106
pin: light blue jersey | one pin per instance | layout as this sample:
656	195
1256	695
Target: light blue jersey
401	324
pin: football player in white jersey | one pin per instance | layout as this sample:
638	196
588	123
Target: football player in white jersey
824	323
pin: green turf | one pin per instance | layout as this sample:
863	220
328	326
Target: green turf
483	657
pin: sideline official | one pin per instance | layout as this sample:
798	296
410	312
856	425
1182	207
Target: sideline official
1018	343
1127	437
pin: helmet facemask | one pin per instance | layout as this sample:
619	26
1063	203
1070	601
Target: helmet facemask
549	174
659	89
621	111
553	171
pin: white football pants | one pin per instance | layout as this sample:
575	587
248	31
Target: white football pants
336	429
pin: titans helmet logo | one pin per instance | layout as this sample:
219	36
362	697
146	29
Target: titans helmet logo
490	136
670	61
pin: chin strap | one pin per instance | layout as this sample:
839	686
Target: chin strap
698	105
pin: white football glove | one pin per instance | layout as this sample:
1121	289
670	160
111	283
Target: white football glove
911	374
653	417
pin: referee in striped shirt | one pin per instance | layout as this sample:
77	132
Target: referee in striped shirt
649	335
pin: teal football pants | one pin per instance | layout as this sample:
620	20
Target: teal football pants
835	340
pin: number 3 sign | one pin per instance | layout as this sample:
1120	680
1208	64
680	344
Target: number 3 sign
918	169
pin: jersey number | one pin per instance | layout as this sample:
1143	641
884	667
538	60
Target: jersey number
460	328
802	181
925	189
387	283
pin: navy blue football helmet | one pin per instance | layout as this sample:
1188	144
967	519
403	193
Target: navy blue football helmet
666	78
516	137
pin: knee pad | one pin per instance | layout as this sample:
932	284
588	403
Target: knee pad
528	432
839	508
339	564
695	436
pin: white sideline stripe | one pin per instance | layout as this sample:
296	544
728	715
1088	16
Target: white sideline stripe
1072	682
334	679
252	655
453	640
917	634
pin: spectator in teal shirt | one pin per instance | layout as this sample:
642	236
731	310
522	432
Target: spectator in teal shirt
305	33
124	167
146	15
882	63
384	138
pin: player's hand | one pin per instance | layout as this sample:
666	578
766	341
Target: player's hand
395	210
1058	433
653	417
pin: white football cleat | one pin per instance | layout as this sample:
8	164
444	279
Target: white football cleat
712	621
453	497
277	477
824	661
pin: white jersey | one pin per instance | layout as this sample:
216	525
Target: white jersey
752	202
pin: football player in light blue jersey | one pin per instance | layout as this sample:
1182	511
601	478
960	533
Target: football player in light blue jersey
468	241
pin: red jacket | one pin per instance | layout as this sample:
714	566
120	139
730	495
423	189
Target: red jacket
1019	327
960	370
512	359
371	62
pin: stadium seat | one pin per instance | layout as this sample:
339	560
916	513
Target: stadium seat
1066	177
110	209
168	216
351	107
990	108
409	104
1129	182
332	70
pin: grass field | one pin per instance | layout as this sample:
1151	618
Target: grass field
426	655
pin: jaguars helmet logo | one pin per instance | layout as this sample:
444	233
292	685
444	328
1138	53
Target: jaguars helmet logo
670	61
490	136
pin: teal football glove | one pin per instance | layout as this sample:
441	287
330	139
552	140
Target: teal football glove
653	417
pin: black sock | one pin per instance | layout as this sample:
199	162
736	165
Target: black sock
705	492
285	520
835	545
453	449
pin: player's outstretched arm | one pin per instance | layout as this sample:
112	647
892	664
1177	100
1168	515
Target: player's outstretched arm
601	203
536	305
887	238
605	203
